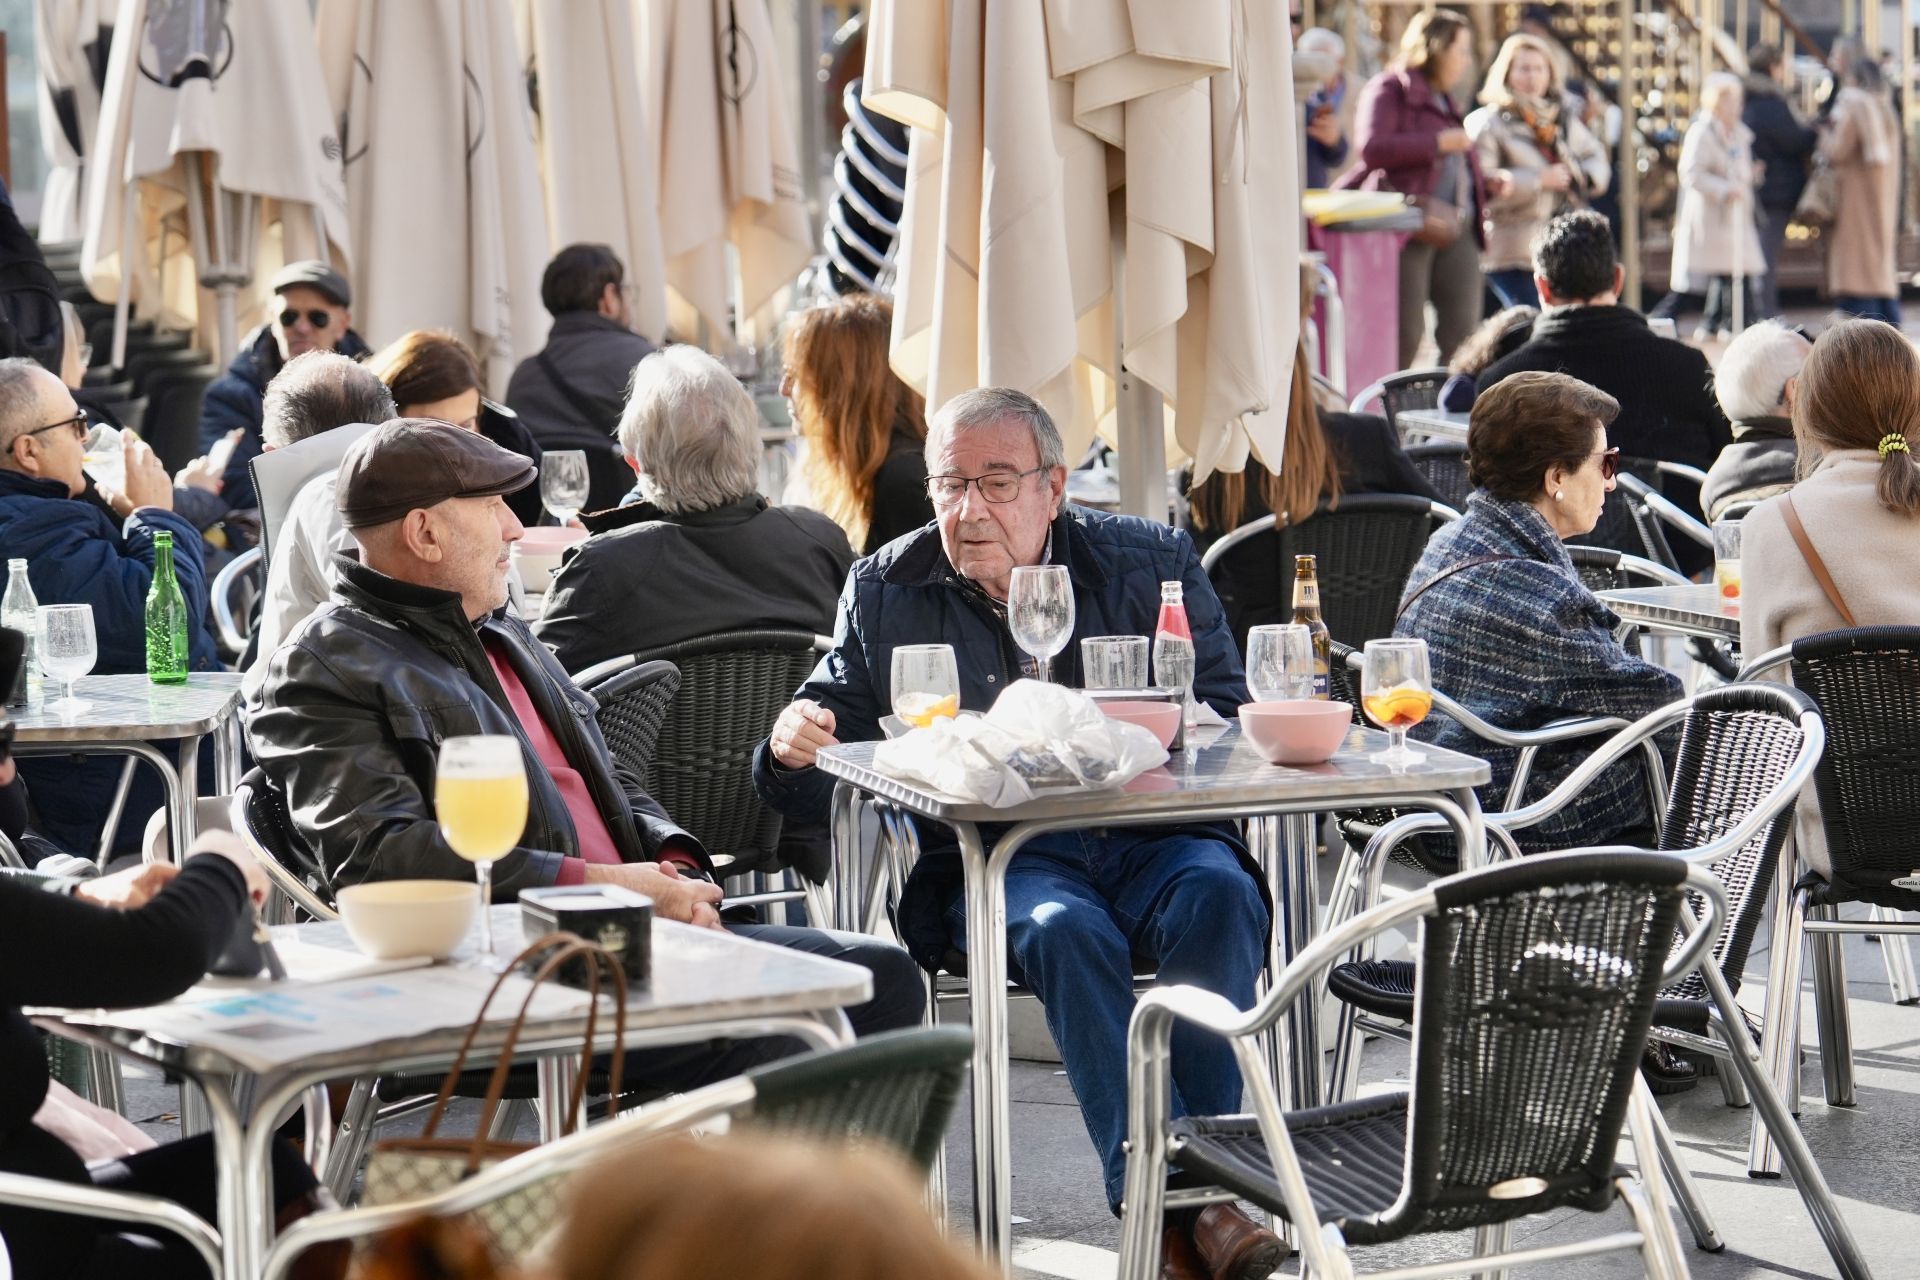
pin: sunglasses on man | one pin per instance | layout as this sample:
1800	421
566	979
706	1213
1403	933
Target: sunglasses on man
318	317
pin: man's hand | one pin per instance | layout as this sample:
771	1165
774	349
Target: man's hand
674	896
1325	128
126	890
148	484
210	472
800	732
225	844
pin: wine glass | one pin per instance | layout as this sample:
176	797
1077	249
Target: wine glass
67	648
1040	612
1280	666
1397	692
564	482
480	797
926	684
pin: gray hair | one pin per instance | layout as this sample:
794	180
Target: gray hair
18	397
317	391
1754	370
692	431
984	406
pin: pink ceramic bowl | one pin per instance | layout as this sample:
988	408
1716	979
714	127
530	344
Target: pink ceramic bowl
1161	719
1303	732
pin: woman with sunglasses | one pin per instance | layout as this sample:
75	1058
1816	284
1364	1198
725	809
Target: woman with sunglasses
1512	632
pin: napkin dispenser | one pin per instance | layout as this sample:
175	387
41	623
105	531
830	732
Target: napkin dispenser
614	917
1145	695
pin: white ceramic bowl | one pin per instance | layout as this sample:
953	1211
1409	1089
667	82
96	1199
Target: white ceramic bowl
1301	732
389	919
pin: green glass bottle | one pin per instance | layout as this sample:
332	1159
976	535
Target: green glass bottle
167	655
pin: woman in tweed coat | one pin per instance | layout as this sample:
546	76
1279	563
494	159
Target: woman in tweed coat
1512	632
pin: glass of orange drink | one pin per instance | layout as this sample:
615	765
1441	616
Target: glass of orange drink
480	798
926	684
1396	689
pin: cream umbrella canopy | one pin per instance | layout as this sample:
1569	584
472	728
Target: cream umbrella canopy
1056	142
443	184
68	36
214	159
597	154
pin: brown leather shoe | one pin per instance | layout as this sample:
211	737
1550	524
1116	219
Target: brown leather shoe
1234	1246
1178	1260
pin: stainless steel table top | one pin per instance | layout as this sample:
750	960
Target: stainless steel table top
1692	611
1224	771
1434	423
130	709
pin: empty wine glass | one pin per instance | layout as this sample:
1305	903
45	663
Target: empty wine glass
926	684
564	482
1040	612
1397	691
67	648
1280	666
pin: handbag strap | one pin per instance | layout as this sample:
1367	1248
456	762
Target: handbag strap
1442	576
1814	562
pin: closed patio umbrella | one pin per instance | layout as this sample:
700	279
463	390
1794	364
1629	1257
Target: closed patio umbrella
443	183
1055	142
70	47
215	159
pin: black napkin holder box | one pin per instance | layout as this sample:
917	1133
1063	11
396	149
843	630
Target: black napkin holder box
611	915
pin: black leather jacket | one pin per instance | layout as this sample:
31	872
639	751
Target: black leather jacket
354	708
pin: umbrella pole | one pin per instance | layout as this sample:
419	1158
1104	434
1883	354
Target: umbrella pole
1140	437
123	301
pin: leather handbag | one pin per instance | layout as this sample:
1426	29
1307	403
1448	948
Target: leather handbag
1441	221
1820	198
409	1168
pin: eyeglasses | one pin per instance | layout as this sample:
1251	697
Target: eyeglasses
318	317
1609	462
77	423
997	486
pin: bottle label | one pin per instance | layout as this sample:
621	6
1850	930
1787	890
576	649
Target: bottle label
1306	594
1173	622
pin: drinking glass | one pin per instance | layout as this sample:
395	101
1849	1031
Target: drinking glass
480	798
1397	691
1040	612
1726	561
1280	666
104	457
66	647
564	482
1113	662
926	684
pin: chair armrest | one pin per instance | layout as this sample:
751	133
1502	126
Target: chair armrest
222	592
1681	469
1558	731
50	1196
601	670
1642	567
1669	512
1442	512
282	876
1765	662
1252	529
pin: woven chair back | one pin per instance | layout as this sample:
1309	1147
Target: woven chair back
632	710
1365	548
897	1089
1536	986
271	826
1412	389
1444	465
1866	683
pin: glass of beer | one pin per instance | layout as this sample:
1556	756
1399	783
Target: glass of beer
1397	691
480	797
926	684
1726	562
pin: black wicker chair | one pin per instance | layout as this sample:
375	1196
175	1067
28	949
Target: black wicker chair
1539	981
1398	392
1444	464
632	709
1366	546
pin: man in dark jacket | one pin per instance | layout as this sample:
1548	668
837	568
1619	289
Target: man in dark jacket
1665	387
570	393
702	543
85	546
309	312
1080	905
417	646
1783	144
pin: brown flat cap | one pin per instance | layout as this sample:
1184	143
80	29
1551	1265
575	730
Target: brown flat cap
410	463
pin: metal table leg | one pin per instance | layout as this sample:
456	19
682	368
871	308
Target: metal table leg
1778	1041
226	757
987	994
188	796
843	831
556	1077
244	1184
1296	903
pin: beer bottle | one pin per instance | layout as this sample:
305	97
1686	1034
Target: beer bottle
167	657
1306	612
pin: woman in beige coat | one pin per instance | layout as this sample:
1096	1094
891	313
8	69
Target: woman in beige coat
1715	239
1538	157
1861	141
1856	402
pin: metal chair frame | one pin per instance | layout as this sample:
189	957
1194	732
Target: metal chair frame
1379	389
1322	1245
1671	513
233	636
50	1195
1440	511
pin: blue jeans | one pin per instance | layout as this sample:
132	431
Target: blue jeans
1080	906
1887	309
1515	287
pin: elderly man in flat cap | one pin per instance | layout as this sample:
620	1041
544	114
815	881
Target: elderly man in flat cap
416	646
310	311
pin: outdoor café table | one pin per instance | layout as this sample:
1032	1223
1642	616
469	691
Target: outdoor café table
1434	424
253	1046
126	715
1686	611
1221	779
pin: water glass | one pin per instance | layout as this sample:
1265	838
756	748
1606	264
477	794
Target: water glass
564	482
1040	612
1396	688
480	799
926	684
1113	662
1280	665
66	647
105	457
1726	561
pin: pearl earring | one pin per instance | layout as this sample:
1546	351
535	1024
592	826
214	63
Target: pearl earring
1559	495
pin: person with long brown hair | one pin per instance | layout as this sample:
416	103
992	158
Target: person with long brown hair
864	430
433	374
